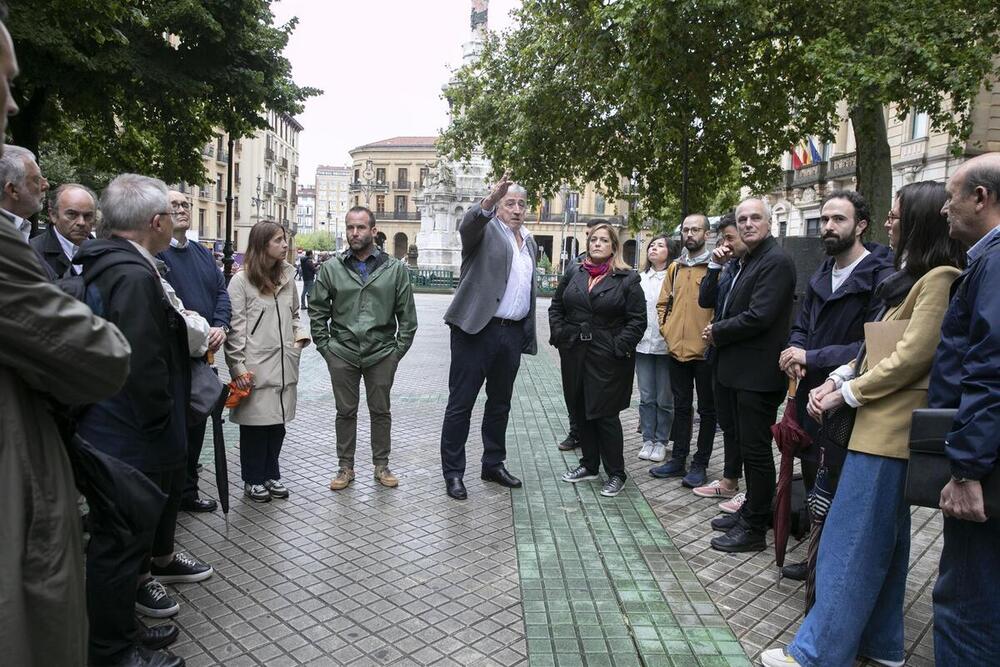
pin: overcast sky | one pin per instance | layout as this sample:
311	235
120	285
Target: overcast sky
380	64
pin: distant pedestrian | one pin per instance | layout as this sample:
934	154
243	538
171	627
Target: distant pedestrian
864	553
263	350
598	316
307	268
749	337
682	320
363	321
23	188
964	377
201	286
652	368
72	214
492	320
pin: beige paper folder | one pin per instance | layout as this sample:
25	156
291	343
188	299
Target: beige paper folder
881	339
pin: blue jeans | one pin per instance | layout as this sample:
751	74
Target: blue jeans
656	399
861	568
966	615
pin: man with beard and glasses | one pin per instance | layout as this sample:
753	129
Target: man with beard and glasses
363	320
682	320
830	327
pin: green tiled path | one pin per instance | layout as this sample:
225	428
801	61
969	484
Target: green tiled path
601	582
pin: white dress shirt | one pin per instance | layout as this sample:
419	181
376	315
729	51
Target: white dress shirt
516	301
69	249
22	225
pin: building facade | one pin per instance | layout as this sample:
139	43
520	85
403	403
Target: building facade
919	153
332	200
305	210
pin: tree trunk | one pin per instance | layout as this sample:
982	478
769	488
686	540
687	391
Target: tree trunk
874	163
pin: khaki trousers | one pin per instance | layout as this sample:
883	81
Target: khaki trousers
346	380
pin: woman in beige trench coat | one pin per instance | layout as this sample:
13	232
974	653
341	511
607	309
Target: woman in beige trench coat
262	351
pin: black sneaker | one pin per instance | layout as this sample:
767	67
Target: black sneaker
613	486
740	538
725	522
569	444
581	474
182	570
795	571
151	600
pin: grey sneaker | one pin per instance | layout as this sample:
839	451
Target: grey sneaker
257	493
275	488
613	486
581	474
647	449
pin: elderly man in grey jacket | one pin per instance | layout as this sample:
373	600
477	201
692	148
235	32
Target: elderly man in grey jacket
492	320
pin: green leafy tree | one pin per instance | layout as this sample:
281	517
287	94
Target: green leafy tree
132	85
314	241
668	100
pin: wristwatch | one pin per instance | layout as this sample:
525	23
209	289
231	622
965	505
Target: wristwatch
225	329
961	480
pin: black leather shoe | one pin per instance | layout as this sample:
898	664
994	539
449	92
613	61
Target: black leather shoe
198	505
159	636
739	539
139	656
501	477
795	571
456	488
569	444
725	522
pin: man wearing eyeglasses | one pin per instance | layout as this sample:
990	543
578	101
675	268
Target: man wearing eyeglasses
201	286
72	212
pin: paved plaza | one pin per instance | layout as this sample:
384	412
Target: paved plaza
550	574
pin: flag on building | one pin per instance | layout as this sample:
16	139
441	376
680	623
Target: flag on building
796	161
813	152
804	154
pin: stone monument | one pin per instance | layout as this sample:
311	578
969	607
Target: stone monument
451	187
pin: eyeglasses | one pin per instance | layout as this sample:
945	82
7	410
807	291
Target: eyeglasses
181	206
891	217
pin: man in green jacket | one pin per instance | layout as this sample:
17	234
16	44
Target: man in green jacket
363	321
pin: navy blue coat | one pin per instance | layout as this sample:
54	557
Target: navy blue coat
965	374
712	293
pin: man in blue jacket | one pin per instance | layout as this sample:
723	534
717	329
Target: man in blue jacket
830	327
201	286
965	377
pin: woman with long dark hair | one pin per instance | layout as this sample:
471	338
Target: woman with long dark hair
652	368
262	352
597	316
864	550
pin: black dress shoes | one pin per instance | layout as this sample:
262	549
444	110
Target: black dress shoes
456	488
740	538
796	571
501	477
198	505
139	656
159	636
725	522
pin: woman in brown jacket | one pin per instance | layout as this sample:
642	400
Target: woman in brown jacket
864	550
262	351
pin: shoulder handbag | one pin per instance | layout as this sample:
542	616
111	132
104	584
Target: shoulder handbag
838	424
206	390
929	469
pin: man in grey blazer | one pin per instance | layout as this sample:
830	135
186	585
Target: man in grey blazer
492	320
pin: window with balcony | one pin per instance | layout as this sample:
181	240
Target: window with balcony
380	175
218	225
357	175
380	203
402	177
400	203
201	222
599	205
218	187
424	172
919	124
812	226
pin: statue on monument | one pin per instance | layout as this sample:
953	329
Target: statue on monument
480	14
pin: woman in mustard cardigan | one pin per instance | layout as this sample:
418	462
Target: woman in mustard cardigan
865	547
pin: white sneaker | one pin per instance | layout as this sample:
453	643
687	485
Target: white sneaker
776	657
658	453
647	449
887	663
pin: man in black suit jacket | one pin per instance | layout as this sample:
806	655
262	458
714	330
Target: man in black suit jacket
749	336
72	213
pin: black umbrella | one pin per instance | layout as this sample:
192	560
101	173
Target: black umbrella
221	467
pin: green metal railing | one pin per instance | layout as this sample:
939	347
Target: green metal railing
432	279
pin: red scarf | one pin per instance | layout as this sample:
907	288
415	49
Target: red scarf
596	270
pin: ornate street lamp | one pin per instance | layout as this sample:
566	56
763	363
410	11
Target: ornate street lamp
257	201
369	185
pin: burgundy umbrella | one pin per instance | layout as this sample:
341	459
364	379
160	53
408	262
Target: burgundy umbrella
790	438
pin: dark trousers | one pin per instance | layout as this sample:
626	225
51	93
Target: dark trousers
492	356
260	447
754	412
345	378
196	439
725	401
966	616
601	441
685	378
171	482
113	569
574	422
307	286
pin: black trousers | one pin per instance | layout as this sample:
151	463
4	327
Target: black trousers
753	413
260	447
732	464
492	356
685	378
171	482
196	439
574	422
113	569
601	441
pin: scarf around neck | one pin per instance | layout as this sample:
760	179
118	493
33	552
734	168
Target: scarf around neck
596	270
